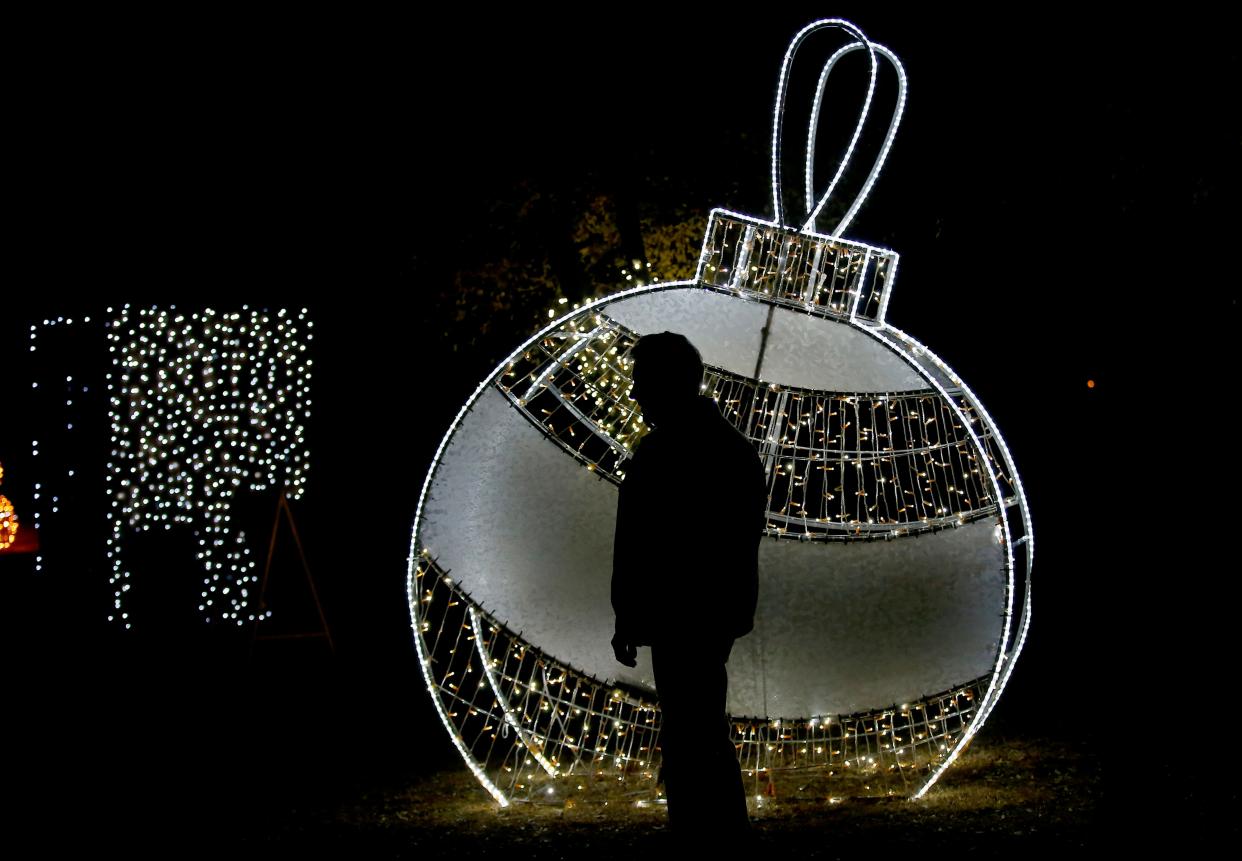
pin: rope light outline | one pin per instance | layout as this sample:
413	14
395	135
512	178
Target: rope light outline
904	346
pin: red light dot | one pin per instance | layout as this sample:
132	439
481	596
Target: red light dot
1091	384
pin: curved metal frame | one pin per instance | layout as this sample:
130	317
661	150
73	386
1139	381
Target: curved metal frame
802	261
983	692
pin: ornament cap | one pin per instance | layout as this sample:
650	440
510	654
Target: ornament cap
819	274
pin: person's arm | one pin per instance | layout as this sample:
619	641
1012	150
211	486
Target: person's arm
625	553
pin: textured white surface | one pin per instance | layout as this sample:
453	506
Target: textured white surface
527	532
846	627
725	328
816	353
803	350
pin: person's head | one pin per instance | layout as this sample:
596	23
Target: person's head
668	372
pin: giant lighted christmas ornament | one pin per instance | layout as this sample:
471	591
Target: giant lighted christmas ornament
895	578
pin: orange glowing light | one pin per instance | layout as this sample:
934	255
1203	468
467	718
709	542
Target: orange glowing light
1091	384
8	519
8	523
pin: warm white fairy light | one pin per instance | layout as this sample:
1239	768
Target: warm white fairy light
499	690
572	379
522	721
1008	651
573	384
802	270
413	558
204	406
921	770
425	662
525	723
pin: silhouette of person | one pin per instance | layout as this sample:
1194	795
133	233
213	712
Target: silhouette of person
685	581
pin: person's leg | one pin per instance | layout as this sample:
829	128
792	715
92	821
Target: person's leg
672	693
731	797
702	780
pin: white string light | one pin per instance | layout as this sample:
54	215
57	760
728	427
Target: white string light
516	717
805	271
573	385
204	406
778	118
893	124
527	724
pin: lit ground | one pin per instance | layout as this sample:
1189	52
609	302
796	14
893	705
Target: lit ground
1005	794
275	763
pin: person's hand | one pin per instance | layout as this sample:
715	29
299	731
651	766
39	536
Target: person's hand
626	652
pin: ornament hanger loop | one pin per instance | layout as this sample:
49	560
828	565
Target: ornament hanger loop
894	122
779	117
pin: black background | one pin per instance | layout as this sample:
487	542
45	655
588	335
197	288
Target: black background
1061	194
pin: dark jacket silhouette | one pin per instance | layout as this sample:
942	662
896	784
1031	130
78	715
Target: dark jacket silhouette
689	520
685	579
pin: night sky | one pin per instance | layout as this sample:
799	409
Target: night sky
1057	193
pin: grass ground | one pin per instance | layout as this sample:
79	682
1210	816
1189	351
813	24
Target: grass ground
1006	794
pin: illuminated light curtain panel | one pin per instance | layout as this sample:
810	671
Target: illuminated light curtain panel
894	581
201	407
